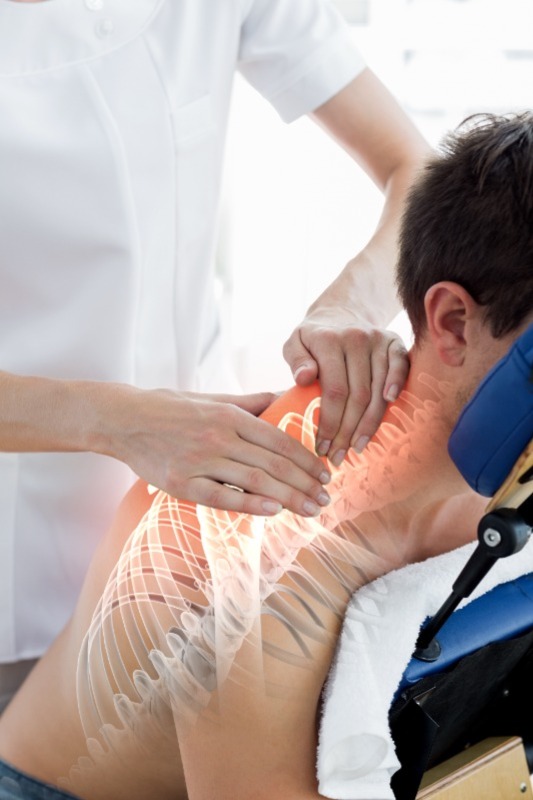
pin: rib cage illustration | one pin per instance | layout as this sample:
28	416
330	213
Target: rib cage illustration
182	622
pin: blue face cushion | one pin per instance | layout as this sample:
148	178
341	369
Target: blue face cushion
496	425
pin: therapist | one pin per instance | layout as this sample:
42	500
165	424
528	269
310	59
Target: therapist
114	116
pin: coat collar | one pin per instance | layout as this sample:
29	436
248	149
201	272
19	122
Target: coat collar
47	35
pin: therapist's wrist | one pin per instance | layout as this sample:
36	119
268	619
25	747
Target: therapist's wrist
362	292
106	413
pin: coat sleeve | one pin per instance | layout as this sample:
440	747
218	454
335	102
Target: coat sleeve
297	53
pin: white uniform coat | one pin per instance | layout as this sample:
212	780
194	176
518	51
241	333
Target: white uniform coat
113	116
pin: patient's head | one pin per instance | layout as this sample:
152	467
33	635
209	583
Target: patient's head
469	220
465	270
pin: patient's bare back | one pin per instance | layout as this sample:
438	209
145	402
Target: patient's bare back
207	631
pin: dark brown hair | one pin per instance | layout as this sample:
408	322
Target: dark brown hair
469	219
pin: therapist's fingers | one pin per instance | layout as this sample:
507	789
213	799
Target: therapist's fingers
298	356
384	371
342	353
268	463
359	428
345	379
375	365
398	369
197	448
359	370
268	482
318	351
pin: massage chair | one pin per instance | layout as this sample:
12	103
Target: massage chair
462	719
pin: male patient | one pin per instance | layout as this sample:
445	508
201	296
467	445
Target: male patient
194	663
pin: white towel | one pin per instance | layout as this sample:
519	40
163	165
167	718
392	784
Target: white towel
356	755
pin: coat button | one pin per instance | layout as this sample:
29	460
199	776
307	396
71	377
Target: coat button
94	5
104	28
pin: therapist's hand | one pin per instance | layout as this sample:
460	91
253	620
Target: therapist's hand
360	369
211	449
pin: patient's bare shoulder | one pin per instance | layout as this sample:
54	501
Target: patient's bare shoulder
446	525
136	502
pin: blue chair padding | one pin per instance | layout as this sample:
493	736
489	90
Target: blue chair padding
492	432
497	424
503	613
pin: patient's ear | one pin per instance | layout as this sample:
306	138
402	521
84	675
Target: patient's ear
449	311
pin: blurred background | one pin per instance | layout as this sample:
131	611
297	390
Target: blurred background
287	230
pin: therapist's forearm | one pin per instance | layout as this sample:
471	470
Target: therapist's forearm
368	122
45	415
365	287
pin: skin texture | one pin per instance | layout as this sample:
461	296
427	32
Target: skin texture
194	663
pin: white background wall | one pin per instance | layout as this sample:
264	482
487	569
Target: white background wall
296	209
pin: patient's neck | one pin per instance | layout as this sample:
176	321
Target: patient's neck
425	414
405	476
409	452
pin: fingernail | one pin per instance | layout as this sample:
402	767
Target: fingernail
338	458
269	507
301	369
361	444
325	477
393	393
311	509
324	499
323	448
